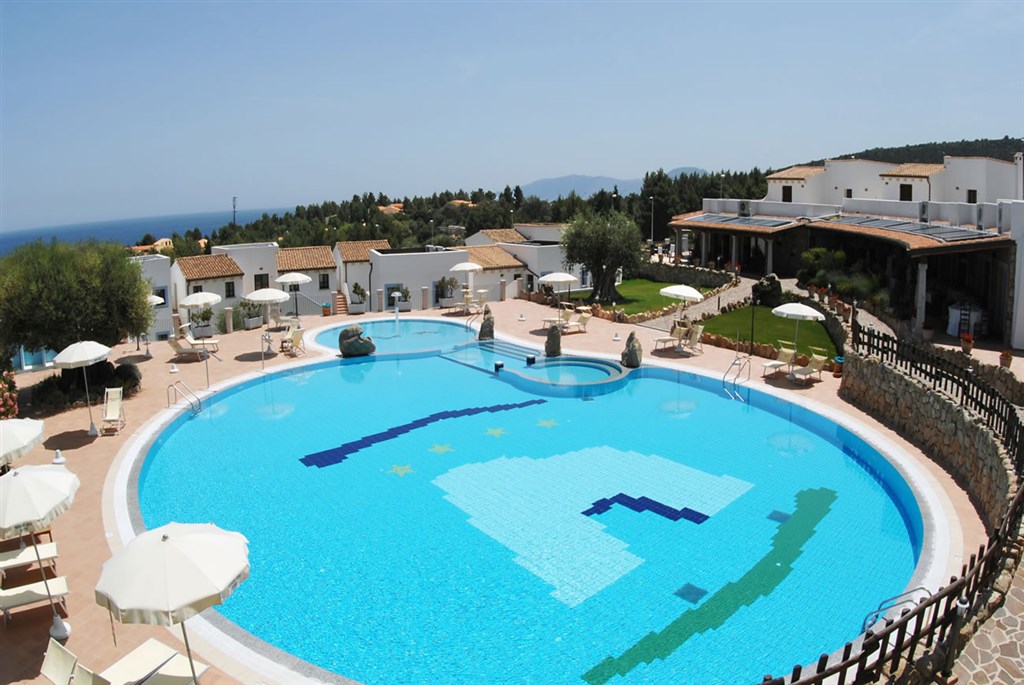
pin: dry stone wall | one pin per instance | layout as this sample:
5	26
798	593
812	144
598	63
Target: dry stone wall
953	438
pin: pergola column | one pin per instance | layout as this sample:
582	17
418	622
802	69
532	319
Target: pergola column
769	253
919	298
704	249
734	246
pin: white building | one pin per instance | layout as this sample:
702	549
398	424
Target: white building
214	273
157	270
353	263
258	262
317	263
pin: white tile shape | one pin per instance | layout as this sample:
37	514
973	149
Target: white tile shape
534	508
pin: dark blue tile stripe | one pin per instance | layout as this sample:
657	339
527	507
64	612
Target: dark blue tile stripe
336	455
640	504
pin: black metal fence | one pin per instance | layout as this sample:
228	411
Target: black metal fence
935	620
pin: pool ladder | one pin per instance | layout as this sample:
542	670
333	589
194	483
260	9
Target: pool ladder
732	375
179	390
910	597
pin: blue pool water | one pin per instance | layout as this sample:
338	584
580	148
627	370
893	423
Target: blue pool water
419	519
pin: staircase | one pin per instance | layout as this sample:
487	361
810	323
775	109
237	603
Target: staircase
340	304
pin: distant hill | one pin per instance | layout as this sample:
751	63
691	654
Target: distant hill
931	153
585	186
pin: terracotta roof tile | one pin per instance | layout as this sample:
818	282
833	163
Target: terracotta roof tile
305	258
796	173
504	235
359	250
201	267
492	257
915	170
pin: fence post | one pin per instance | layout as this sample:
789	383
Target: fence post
954	636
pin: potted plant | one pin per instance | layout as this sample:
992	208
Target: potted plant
201	326
966	342
1006	358
252	314
404	304
358	303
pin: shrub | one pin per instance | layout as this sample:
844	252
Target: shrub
250	310
236	320
8	396
129	377
359	292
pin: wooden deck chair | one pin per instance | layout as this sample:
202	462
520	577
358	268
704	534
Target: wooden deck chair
58	664
113	410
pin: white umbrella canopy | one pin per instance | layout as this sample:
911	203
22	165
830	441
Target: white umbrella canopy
31	497
154	300
558	278
267	296
799	312
83	354
168	574
18	436
681	292
293	278
200	299
466	266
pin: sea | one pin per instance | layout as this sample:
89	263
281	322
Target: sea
130	231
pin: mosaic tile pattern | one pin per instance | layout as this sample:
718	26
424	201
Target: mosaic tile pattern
642	504
759	581
336	455
532	506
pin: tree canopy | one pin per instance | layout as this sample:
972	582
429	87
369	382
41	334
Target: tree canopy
603	243
54	294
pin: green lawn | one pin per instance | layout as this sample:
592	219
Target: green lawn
642	295
770	329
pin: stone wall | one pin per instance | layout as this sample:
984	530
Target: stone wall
1002	380
950	436
697	276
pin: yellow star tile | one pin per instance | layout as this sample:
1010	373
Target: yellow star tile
496	432
441	449
547	423
400	470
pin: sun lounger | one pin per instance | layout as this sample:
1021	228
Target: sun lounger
579	323
182	351
692	341
675	338
175	672
58	664
139	664
19	558
786	357
292	344
815	365
210	344
113	410
33	593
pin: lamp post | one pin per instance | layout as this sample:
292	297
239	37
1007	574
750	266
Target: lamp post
511	218
614	195
431	231
721	186
651	198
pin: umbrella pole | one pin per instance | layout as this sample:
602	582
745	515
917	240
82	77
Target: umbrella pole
59	630
110	614
92	426
188	650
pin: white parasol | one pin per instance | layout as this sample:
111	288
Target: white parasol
266	296
171	573
18	436
799	312
83	354
558	278
293	278
31	497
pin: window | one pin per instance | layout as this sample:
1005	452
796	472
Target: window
229	289
325	281
261	281
849	192
293	287
161	292
906	192
972	197
787	193
197	289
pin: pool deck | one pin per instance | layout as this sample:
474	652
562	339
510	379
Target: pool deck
87	532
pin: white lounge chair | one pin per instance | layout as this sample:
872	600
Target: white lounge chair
815	366
291	343
209	344
21	557
58	664
182	351
152	662
675	337
113	410
33	593
786	357
579	322
693	341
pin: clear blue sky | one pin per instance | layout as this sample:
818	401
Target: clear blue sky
124	109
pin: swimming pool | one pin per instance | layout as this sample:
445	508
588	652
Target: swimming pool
419	519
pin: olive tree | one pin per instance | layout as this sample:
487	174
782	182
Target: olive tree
603	243
54	294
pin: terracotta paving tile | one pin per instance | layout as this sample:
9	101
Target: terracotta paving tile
85	534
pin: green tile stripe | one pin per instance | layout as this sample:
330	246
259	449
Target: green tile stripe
759	581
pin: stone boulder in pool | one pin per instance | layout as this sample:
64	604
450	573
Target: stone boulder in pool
351	342
633	354
487	325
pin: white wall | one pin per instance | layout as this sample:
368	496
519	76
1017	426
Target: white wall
993	179
412	270
312	289
1013	216
157	270
252	258
859	175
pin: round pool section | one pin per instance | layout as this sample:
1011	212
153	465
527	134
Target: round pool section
416	518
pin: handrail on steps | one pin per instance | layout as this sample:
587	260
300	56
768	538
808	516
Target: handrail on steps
180	390
739	363
905	597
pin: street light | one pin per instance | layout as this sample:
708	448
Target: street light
512	218
431	231
614	195
652	219
721	186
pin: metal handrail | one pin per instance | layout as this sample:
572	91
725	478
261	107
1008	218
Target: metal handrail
739	363
905	597
180	390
